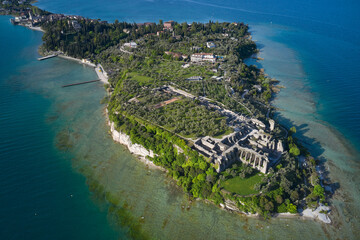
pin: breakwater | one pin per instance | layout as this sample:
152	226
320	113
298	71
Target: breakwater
80	83
47	57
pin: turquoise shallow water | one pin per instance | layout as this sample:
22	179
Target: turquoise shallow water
307	103
320	98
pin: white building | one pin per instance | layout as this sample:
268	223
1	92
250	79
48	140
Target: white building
76	25
195	78
210	45
131	45
201	57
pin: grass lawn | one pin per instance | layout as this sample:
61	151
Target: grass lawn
227	132
242	186
143	80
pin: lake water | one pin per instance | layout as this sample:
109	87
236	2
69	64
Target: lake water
55	144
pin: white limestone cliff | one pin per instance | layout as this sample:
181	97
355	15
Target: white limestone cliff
124	139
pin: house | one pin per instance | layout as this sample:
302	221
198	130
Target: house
195	78
20	19
201	57
159	32
210	45
176	55
75	17
168	25
85	60
36	20
258	88
130	45
145	24
54	17
125	30
149	23
76	25
217	78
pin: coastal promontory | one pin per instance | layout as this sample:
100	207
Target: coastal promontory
182	96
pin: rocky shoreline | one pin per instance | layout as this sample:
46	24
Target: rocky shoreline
134	148
317	214
143	153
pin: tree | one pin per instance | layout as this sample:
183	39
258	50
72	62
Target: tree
293	130
269	206
193	27
286	184
291	208
294	196
314	179
206	190
279	199
294	150
318	191
282	208
203	165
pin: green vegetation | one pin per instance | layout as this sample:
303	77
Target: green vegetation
186	118
190	169
142	80
150	66
293	148
141	109
16	8
92	38
165	122
242	186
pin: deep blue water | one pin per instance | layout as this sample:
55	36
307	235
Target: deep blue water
312	47
333	18
41	197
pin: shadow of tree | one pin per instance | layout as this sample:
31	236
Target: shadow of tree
315	149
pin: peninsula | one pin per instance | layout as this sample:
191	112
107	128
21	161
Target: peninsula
181	95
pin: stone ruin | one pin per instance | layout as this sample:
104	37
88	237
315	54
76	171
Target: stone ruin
252	147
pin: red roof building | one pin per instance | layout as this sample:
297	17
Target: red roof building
168	25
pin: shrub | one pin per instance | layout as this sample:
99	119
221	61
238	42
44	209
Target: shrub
291	208
282	208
